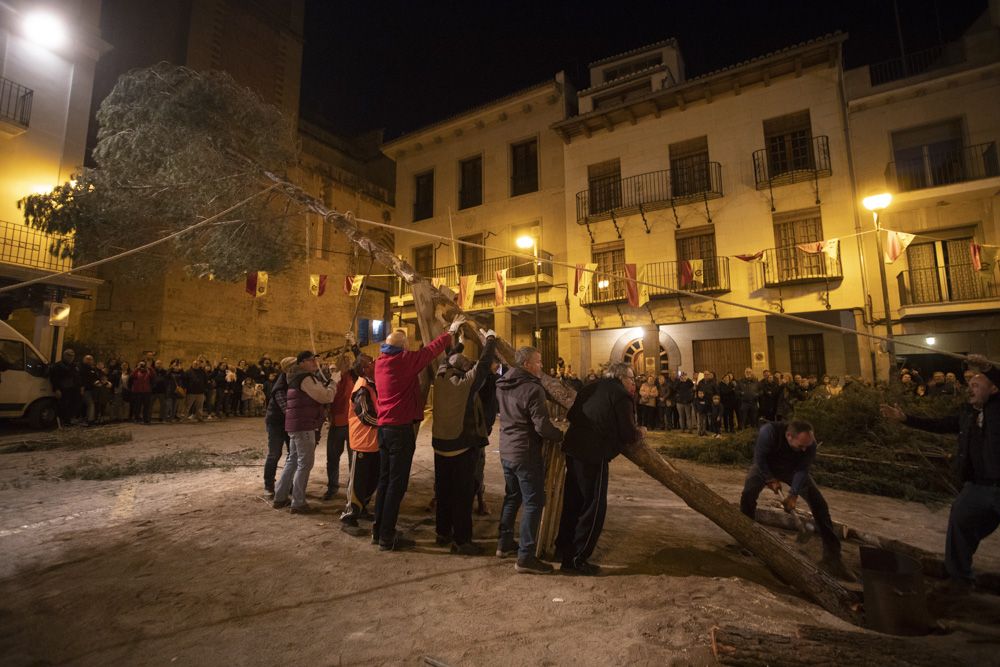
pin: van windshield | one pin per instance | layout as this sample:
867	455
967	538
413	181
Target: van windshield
34	363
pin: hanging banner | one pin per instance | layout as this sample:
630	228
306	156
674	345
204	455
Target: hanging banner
356	283
983	257
692	272
347	284
643	287
830	248
317	284
437	281
895	244
256	283
756	257
500	288
466	291
584	279
631	289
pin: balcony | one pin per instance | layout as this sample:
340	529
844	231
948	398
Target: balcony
520	273
791	159
715	278
954	288
22	245
938	57
613	292
940	164
789	265
650	191
15	108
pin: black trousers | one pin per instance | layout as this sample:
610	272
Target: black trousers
142	406
362	486
748	415
396	445
585	504
68	406
756	482
455	485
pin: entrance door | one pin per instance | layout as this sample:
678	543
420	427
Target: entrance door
721	356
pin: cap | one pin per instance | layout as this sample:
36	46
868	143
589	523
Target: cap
302	356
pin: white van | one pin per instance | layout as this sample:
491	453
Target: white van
25	390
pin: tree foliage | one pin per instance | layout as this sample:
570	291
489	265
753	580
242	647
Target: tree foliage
176	147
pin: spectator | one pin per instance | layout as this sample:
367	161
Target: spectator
163	391
747	392
141	385
274	424
685	403
68	387
90	379
729	401
176	374
196	383
716	414
102	394
767	399
648	395
703	411
664	402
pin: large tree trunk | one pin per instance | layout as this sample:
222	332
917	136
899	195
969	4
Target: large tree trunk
431	304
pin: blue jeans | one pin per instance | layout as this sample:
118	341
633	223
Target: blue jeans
524	482
298	464
396	445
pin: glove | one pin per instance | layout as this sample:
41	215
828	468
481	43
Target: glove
349	337
774	485
456	324
488	334
789	502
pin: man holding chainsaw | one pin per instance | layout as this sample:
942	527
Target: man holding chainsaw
784	453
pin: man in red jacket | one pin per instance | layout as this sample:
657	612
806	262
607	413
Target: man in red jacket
400	410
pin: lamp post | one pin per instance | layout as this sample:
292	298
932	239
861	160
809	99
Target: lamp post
525	242
876	203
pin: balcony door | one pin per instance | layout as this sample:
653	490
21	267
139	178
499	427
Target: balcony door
924	284
701	246
790	231
471	257
604	182
689	167
788	140
928	156
610	259
963	283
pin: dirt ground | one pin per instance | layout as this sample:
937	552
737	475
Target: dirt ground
197	568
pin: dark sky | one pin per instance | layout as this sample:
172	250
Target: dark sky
402	64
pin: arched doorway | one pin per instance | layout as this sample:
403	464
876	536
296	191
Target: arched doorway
635	356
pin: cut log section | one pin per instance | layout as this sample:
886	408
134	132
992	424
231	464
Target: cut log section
433	308
823	647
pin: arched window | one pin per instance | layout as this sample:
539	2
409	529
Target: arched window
635	357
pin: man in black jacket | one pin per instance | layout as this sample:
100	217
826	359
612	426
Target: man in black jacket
600	422
975	514
66	382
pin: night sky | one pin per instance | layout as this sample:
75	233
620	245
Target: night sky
400	65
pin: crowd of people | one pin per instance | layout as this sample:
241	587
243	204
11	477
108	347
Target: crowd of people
91	393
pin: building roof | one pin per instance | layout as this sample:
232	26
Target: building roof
649	47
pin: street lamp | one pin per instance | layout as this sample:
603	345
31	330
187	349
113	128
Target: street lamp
524	242
876	203
45	29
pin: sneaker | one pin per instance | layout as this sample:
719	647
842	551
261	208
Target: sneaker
442	540
280	504
532	565
580	568
834	566
399	544
508	550
330	493
349	520
353	531
467	549
303	509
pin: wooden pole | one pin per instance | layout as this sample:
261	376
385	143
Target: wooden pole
434	309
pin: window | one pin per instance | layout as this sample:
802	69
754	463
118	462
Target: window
379	331
423	260
423	204
807	355
604	183
363	331
610	259
791	229
699	243
13	353
942	271
524	167
622	95
470	187
929	155
34	364
788	140
471	257
631	67
689	167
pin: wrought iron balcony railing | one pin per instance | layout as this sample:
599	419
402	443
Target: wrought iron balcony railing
791	158
944	55
789	265
15	103
947	284
650	191
943	164
607	289
671	275
517	267
25	246
447	274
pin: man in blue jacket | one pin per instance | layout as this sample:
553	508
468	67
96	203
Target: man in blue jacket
784	453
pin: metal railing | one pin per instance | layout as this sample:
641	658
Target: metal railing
613	292
788	265
652	190
25	246
517	267
947	284
15	102
944	55
944	164
714	278
791	159
449	274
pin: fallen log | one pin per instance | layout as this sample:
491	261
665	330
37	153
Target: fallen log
823	647
433	308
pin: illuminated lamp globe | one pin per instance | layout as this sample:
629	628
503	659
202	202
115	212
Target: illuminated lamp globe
877	202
